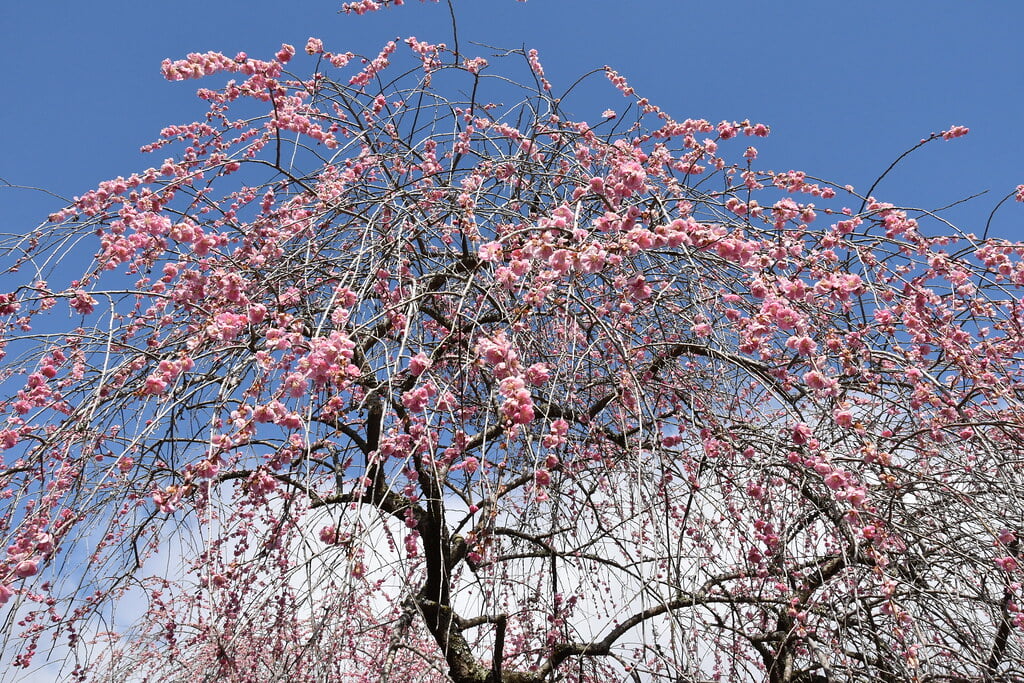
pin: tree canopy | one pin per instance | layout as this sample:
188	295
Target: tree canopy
395	370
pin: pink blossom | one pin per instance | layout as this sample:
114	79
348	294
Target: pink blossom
314	46
154	385
262	483
9	304
632	178
227	326
207	469
619	82
26	568
339	60
835	480
446	401
803	345
419	364
285	54
475	65
955	132
511	386
785	210
816	380
330	535
538	70
360	6
166	500
592	260
542	477
561	261
843	418
375	66
416	400
8	438
785	317
44	543
518	406
638	289
801	433
1007	564
855	496
490	252
83	302
537	374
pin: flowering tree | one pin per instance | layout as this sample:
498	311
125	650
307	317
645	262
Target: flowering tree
375	378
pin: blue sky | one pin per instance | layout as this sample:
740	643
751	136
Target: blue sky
845	86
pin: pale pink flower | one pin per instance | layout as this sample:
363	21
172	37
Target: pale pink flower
44	543
419	364
537	374
27	568
843	418
314	46
835	480
816	380
955	132
490	252
474	65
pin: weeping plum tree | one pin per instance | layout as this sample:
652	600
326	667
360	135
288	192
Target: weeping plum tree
394	370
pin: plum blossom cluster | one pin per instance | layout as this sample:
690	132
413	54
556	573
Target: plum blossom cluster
198	65
166	373
513	381
365	6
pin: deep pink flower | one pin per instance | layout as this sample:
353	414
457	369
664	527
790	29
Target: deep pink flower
1007	564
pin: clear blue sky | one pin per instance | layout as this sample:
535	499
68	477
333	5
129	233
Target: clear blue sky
845	86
